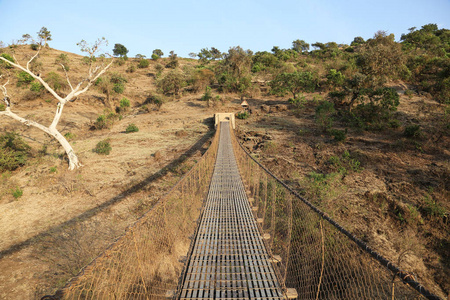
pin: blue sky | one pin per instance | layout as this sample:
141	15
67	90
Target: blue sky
188	26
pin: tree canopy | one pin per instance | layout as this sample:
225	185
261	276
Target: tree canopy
120	50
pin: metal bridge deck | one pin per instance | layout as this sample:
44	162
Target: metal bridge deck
229	259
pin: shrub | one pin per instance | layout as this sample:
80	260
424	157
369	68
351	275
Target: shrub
23	78
119	88
2	107
69	136
103	147
131	69
34	47
143	63
156	100
124	103
117	78
173	61
339	135
53	170
14	151
17	193
7	57
242	115
105	121
155	57
63	59
131	128
412	131
172	82
324	115
55	81
298	103
159	69
207	95
36	87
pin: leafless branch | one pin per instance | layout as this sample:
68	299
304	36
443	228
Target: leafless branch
67	76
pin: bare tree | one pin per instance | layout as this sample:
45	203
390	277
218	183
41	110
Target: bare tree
94	72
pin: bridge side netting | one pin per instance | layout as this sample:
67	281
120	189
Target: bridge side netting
145	262
315	255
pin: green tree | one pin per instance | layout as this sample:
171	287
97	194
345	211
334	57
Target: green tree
294	83
381	58
357	41
173	60
44	34
335	78
158	52
235	70
120	50
204	55
300	46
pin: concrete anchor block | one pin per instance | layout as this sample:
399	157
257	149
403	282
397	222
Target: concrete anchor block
260	220
266	236
291	293
255	208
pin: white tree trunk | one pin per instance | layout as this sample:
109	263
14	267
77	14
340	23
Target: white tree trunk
52	131
82	87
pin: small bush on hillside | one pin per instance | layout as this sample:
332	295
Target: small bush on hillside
124	103
207	95
14	152
339	135
36	87
298	103
119	88
171	83
63	60
23	78
117	78
159	69
69	135
155	100
103	147
412	131
131	128
242	115
105	121
131	69
34	47
324	115
56	81
143	63
2	107
7	57
17	193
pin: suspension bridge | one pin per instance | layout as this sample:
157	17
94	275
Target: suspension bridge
230	229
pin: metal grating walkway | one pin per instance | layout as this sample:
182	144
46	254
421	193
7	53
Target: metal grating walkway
229	259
